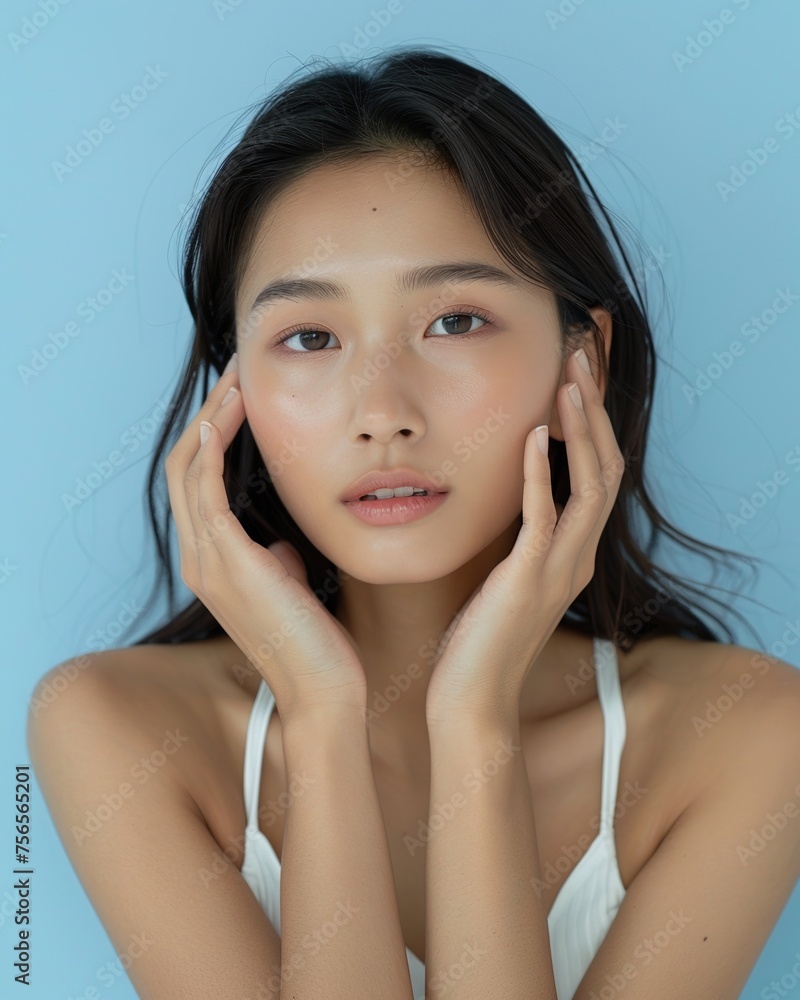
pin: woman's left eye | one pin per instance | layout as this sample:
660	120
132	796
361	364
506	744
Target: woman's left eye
459	317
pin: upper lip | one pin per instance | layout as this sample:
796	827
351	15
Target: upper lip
389	479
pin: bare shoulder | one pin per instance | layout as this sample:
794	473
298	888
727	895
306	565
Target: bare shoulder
722	737
739	685
135	679
729	704
124	744
158	698
761	695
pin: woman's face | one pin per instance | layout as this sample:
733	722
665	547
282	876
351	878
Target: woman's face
386	379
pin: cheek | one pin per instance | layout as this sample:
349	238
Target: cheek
290	436
281	415
490	436
497	414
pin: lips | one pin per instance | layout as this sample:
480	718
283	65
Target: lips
416	491
389	479
395	511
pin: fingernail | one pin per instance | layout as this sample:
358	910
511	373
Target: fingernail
583	361
575	394
542	438
205	430
232	364
229	395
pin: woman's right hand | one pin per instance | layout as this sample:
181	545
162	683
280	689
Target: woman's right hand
260	596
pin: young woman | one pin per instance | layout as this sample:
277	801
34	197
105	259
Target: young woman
461	737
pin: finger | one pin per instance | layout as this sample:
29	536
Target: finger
538	510
609	456
185	448
595	470
222	541
177	463
207	503
588	493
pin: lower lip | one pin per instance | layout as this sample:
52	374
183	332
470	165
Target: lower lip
395	510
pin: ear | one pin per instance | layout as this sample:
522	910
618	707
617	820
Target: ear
602	317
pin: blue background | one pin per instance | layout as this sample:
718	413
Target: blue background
69	573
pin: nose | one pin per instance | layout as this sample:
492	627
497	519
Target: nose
385	403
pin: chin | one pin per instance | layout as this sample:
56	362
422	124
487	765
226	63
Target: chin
392	571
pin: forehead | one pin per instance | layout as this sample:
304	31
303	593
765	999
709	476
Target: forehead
344	217
361	192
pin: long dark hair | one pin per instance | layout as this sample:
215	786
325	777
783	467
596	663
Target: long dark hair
525	186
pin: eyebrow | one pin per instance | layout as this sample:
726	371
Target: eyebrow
424	276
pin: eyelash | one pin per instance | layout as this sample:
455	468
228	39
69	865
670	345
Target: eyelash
458	311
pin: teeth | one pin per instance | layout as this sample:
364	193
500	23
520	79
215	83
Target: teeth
401	491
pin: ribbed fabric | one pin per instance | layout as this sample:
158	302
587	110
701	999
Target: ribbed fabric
586	903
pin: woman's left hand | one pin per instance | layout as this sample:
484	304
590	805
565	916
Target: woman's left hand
493	641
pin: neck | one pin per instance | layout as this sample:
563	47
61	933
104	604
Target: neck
396	629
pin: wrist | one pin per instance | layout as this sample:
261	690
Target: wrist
472	726
500	711
317	720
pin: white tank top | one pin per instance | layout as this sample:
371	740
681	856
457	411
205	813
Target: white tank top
587	901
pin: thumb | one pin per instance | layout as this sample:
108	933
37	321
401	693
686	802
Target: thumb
291	560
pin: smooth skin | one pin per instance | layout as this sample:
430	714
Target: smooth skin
402	588
474	693
249	589
388	386
499	632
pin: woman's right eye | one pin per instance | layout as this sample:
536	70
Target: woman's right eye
308	342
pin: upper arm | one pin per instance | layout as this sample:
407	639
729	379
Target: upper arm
695	919
143	853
